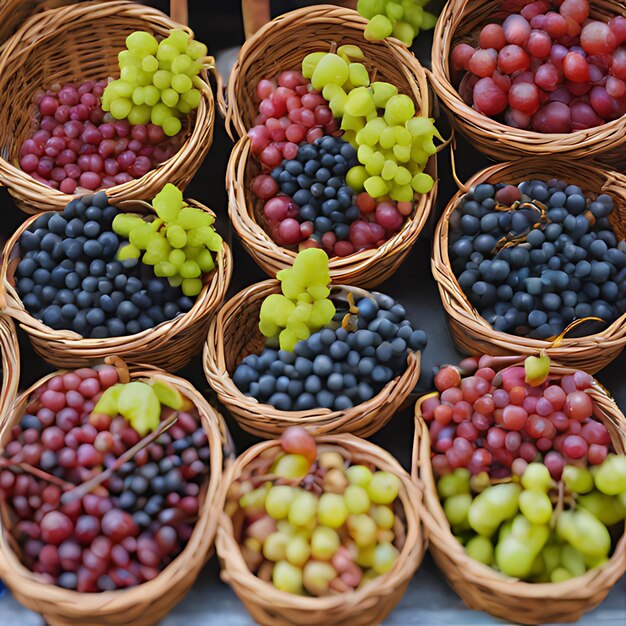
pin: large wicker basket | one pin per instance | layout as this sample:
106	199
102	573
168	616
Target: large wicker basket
145	604
81	42
483	588
234	333
10	355
170	345
370	605
471	332
460	22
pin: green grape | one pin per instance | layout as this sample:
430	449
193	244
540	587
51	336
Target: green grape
428	20
551	555
376	187
160	112
383	516
362	529
158	249
128	252
123	223
402	153
560	574
384	487
385	557
181	83
166	52
383	92
479	482
310	62
205	261
403	178
378	28
358	75
291	466
190	286
181	64
402	135
164	269
162	79
177	257
375	164
573	560
536	506
196	50
577	479
492	507
177	281
365	556
139	114
404	32
150	64
120	108
360	102
389	170
387	139
352	122
139	405
515	553
143	42
126	58
536	369
171	126
151	95
371	132
359	475
609	510
324	543
190	269
422	183
130	74
536	477
275	547
317	576
356	500
456	508
287	577
278	500
480	549
414	15
331	68
176	236
332	510
584	532
303	508
369	8
401	193
141	235
298	551
393	10
191	98
356	178
179	39
610	477
168	202
453	484
119	89
170	97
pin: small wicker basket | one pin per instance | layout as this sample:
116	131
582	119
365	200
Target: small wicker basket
483	588
370	605
460	22
37	56
234	333
10	355
170	345
145	604
471	332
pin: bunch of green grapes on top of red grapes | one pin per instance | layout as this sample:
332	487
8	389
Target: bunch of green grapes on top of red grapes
342	157
98	134
526	473
547	67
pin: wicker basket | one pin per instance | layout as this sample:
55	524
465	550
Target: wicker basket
170	345
145	604
10	355
80	42
460	22
270	607
483	588
234	333
472	333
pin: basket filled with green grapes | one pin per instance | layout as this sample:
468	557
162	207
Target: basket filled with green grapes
133	112
295	351
524	472
337	150
323	530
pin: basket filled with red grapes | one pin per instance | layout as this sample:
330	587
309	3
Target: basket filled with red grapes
526	263
538	77
339	155
137	113
524	476
319	529
109	482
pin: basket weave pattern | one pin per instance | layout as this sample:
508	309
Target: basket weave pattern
270	607
234	333
170	345
483	588
10	355
145	604
460	22
77	43
471	332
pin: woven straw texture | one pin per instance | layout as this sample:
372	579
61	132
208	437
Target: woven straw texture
145	604
472	333
234	333
483	588
10	355
169	345
461	22
270	607
73	44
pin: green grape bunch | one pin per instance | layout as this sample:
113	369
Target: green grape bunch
402	19
303	307
180	243
158	81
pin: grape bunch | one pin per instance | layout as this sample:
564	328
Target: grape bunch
180	243
393	147
322	525
86	530
303	307
549	68
156	81
69	276
76	145
552	258
402	19
338	367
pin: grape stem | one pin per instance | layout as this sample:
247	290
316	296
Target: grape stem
77	492
35	471
558	509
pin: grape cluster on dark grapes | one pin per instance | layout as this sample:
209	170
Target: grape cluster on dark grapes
335	368
555	268
69	276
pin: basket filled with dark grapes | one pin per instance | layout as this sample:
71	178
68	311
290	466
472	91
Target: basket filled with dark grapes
530	256
137	279
127	122
523	468
110	480
323	530
295	351
10	364
337	149
534	78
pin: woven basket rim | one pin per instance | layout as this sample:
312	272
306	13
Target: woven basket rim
235	569
40	28
471	572
198	546
456	303
10	355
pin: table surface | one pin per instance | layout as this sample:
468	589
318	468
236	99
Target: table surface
428	600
